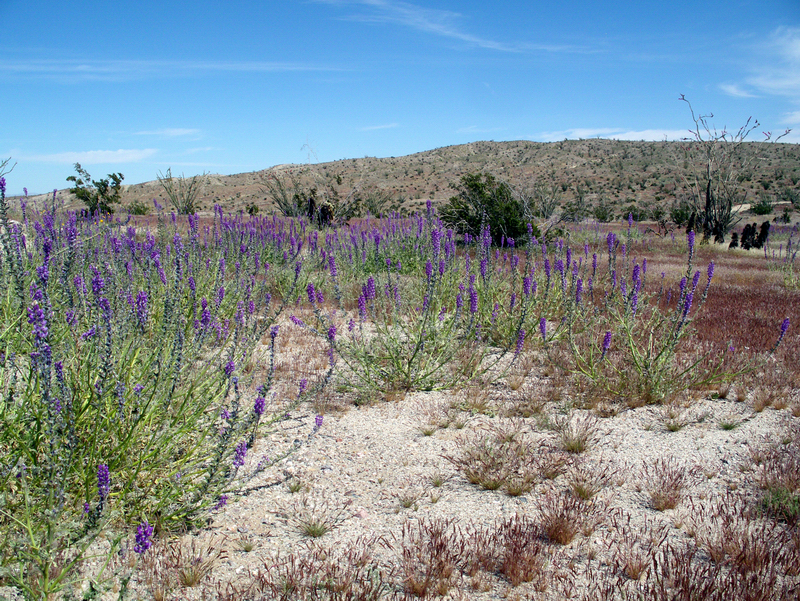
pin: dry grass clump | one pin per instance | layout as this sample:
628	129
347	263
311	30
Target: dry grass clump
665	481
562	516
498	458
779	477
430	554
341	573
313	515
587	479
634	549
577	434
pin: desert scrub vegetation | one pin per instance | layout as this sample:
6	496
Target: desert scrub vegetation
139	368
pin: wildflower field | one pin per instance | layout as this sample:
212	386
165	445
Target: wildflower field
247	407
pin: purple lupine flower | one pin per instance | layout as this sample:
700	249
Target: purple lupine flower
332	265
223	500
459	301
682	285
297	267
301	386
296	321
610	240
141	308
436	241
634	301
370	295
332	333
258	406
473	299
89	333
192	284
103	481
317	423
98	283
526	285
320	298
483	267
351	325
240	454
220	295
520	342
687	305
143	534
543	328
312	295
710	271
3	186
630	220
636	271
690	242
606	344
442	266
547	268
428	269
362	307
695	280
229	368
784	329
513	301
578	291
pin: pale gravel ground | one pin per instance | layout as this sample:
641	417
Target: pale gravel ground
362	459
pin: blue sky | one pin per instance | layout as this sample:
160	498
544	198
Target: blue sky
228	87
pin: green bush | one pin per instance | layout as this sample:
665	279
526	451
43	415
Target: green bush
482	201
763	206
99	195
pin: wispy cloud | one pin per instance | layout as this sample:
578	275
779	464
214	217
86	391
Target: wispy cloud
792	118
91	157
99	70
611	133
169	132
474	129
439	22
732	89
375	127
778	70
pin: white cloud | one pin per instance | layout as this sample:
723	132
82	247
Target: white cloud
99	70
474	129
169	132
92	157
376	127
780	72
437	22
656	135
733	89
792	118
